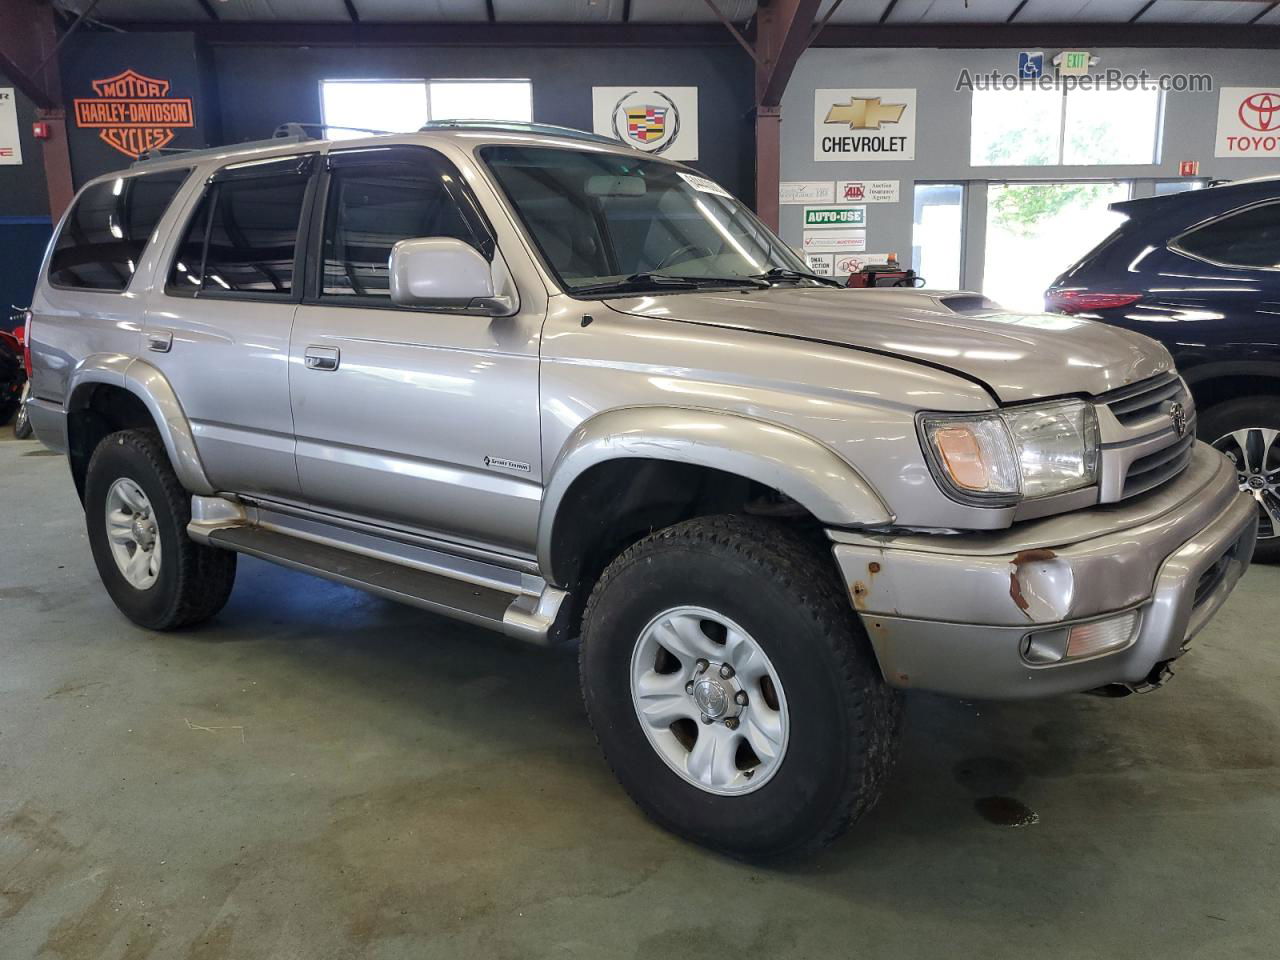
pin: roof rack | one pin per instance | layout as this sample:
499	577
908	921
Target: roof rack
283	134
517	126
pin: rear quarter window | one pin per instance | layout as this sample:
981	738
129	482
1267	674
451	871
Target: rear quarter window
106	231
1246	238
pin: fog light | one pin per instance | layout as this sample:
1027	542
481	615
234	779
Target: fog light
1082	640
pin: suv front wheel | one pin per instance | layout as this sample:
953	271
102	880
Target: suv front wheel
733	690
137	514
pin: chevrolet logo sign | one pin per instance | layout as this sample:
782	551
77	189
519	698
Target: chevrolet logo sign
865	114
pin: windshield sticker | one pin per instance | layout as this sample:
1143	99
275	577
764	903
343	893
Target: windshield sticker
703	185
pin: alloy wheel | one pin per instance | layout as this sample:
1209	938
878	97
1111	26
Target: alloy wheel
1255	452
132	534
709	700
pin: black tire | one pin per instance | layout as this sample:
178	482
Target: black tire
1242	414
784	590
194	581
22	422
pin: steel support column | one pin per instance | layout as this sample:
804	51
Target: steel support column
28	42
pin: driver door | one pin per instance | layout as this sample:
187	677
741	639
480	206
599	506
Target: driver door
407	417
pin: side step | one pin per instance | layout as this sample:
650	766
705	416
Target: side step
518	615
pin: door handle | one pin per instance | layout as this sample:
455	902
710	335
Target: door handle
160	340
321	358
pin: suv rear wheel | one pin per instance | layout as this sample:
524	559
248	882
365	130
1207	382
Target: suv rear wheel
733	690
137	514
1247	430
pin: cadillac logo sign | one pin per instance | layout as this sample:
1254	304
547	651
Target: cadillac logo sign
652	126
652	119
133	113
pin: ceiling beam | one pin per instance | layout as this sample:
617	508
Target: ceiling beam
352	12
1143	9
1016	10
783	31
1022	35
887	11
1269	7
28	41
209	12
418	34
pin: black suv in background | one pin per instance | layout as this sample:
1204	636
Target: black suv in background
1200	272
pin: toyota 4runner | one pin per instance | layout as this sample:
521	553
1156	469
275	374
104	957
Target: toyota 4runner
534	380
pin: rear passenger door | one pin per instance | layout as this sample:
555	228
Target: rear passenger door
220	332
419	419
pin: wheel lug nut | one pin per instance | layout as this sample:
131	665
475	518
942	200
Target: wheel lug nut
701	666
731	723
706	719
740	698
726	671
688	688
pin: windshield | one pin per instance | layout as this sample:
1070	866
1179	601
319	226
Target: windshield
610	223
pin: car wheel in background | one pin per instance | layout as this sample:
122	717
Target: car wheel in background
1247	430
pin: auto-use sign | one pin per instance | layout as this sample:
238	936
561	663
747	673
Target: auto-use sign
843	216
864	124
1248	122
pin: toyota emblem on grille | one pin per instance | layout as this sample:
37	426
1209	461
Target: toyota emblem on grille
1179	417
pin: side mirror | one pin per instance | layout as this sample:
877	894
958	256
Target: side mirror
447	274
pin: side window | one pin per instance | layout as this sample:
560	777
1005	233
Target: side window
374	204
243	237
1250	238
108	228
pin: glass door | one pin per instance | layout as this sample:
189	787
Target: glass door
1037	230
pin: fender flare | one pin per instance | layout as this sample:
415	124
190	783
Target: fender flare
776	456
156	393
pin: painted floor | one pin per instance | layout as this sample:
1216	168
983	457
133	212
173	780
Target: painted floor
323	774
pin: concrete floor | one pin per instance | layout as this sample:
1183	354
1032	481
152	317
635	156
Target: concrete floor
322	774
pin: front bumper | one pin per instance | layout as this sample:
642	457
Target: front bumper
952	613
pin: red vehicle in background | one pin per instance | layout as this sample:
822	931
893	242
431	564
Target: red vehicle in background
15	366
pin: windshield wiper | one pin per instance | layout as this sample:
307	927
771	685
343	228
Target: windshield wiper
667	281
782	273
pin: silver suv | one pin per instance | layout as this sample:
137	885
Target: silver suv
537	381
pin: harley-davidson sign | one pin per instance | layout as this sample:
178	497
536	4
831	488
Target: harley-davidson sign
133	113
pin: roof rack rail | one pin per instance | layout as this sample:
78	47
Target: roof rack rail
285	133
518	126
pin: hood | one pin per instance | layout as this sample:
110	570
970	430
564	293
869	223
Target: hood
1016	356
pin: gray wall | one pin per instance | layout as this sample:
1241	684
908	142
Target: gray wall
942	129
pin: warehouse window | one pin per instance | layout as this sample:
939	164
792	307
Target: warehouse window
1034	127
352	107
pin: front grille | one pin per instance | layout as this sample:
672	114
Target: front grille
1143	401
1142	448
1147	473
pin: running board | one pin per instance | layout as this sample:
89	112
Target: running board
520	615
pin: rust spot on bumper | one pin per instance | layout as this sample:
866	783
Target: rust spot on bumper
1015	586
860	592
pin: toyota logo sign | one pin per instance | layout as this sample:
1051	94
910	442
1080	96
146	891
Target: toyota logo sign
1261	111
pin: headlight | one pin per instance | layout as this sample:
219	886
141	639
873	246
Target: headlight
1021	453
